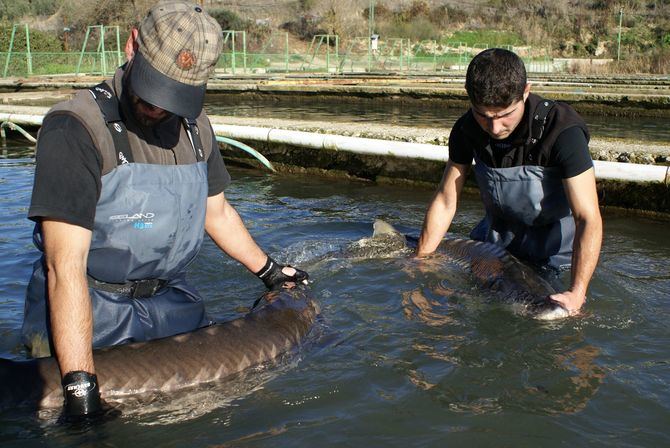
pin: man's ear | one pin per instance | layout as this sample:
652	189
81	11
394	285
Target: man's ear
526	91
131	44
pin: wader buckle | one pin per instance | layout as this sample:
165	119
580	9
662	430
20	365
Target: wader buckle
141	289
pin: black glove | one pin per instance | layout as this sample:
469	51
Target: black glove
82	395
274	278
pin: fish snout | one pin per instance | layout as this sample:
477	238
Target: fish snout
552	311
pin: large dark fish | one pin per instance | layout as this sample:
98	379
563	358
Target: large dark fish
165	365
492	268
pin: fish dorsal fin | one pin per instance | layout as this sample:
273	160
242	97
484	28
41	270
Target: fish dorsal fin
384	229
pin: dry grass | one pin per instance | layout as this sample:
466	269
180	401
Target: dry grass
656	62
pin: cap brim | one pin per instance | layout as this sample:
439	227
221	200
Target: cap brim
162	91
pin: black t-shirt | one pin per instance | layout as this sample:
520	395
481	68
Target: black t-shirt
69	169
570	152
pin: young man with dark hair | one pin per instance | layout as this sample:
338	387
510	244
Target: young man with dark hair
534	172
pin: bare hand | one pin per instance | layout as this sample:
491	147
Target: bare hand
569	300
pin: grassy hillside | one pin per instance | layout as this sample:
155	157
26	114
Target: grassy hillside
636	30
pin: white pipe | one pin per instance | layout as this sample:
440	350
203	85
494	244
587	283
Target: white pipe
333	142
604	170
32	120
633	172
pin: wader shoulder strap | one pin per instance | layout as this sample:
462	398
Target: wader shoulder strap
537	126
540	120
109	106
194	135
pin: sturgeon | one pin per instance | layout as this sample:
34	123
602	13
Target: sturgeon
492	268
166	365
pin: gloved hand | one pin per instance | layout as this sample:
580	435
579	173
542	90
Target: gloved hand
82	395
274	278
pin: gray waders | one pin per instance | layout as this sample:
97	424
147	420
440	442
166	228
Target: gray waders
527	212
148	228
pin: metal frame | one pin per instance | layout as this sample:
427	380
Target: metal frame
102	53
29	59
230	35
314	51
269	43
388	51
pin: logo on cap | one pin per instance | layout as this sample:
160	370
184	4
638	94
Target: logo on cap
185	60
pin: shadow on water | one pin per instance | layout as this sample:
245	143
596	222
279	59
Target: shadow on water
16	148
471	355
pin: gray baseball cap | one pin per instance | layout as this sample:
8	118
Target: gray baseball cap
178	47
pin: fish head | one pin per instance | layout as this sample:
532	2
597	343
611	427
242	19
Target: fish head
385	242
382	229
541	308
551	311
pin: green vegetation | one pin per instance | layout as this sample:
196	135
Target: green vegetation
229	20
567	28
39	40
579	29
15	9
257	33
490	37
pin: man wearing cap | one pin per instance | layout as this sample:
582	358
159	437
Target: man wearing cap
128	174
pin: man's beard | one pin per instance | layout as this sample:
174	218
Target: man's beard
136	104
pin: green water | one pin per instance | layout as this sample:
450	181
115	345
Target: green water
399	357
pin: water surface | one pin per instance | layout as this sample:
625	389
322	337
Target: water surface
400	357
415	115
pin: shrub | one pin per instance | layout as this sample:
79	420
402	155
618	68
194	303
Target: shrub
229	20
39	40
306	27
654	61
419	8
44	7
14	9
490	37
306	5
418	29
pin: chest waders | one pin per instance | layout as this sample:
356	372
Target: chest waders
148	228
527	211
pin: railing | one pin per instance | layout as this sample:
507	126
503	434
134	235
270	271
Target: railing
62	63
104	68
28	56
329	55
275	55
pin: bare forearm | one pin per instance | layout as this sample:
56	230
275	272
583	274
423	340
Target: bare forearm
71	320
442	208
70	311
583	199
586	251
435	225
226	228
